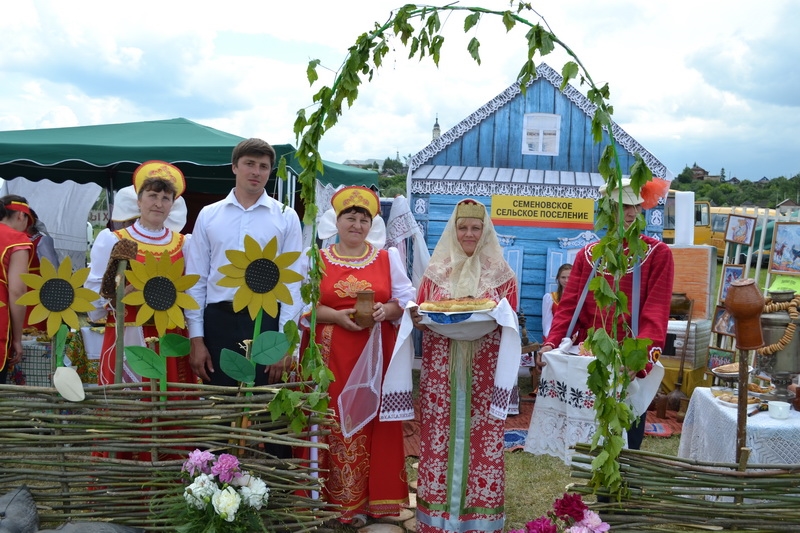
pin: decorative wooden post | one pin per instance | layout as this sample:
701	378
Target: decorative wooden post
745	303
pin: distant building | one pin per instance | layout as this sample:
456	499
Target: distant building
365	163
701	174
437	131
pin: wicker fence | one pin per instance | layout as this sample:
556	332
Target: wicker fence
672	494
118	452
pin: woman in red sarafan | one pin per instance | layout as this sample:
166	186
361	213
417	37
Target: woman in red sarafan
158	185
366	470
461	481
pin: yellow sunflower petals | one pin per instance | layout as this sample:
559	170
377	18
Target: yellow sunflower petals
162	322
82	306
70	318
175	269
231	282
176	317
144	314
231	270
134	298
38	314
271	249
150	265
282	293
64	270
251	248
290	276
253	307
86	294
53	323
241	298
47	270
237	258
29	298
185	301
137	276
32	280
286	259
270	304
79	277
186	282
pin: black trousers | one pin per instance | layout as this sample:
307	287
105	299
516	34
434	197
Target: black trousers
226	329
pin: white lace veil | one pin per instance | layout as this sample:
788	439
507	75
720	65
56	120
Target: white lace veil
458	275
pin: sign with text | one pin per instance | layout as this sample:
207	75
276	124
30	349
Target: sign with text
541	211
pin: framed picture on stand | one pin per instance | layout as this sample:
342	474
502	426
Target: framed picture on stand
719	356
784	257
740	230
723	322
730	273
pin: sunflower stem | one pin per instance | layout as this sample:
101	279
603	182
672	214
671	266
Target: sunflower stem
60	344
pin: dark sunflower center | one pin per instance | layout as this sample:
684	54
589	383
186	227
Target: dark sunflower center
261	276
160	293
56	295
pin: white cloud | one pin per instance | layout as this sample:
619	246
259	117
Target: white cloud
711	81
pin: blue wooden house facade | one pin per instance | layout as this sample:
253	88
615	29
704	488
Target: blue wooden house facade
537	144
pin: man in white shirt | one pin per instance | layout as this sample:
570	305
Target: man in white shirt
222	226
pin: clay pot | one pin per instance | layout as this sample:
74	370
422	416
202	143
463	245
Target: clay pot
745	304
365	300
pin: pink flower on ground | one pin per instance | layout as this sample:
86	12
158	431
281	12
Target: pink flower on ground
593	521
570	506
198	462
577	528
541	525
226	467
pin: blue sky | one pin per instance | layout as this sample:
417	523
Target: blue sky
712	82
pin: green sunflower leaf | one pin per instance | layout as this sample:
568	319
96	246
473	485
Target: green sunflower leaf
269	347
174	345
237	366
146	362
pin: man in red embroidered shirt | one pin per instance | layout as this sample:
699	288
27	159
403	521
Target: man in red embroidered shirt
656	271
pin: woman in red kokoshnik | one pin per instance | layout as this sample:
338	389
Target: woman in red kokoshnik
158	185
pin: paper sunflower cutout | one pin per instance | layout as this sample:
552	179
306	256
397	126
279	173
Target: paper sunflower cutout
161	291
57	295
261	276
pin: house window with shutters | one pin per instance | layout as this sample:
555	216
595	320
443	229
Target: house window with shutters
540	134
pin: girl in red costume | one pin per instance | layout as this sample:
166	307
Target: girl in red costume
15	252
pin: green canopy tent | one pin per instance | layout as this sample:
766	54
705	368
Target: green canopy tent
108	154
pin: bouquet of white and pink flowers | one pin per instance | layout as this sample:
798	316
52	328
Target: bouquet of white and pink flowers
569	515
221	497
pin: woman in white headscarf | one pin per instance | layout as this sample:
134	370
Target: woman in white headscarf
461	469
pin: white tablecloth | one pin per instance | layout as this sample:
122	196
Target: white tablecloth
564	412
709	433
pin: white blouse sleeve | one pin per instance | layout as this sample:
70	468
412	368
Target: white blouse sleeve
547	314
402	289
98	262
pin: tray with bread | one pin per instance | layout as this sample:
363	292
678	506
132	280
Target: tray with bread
732	400
458	305
729	371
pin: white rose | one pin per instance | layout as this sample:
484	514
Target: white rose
226	503
199	493
255	493
241	480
